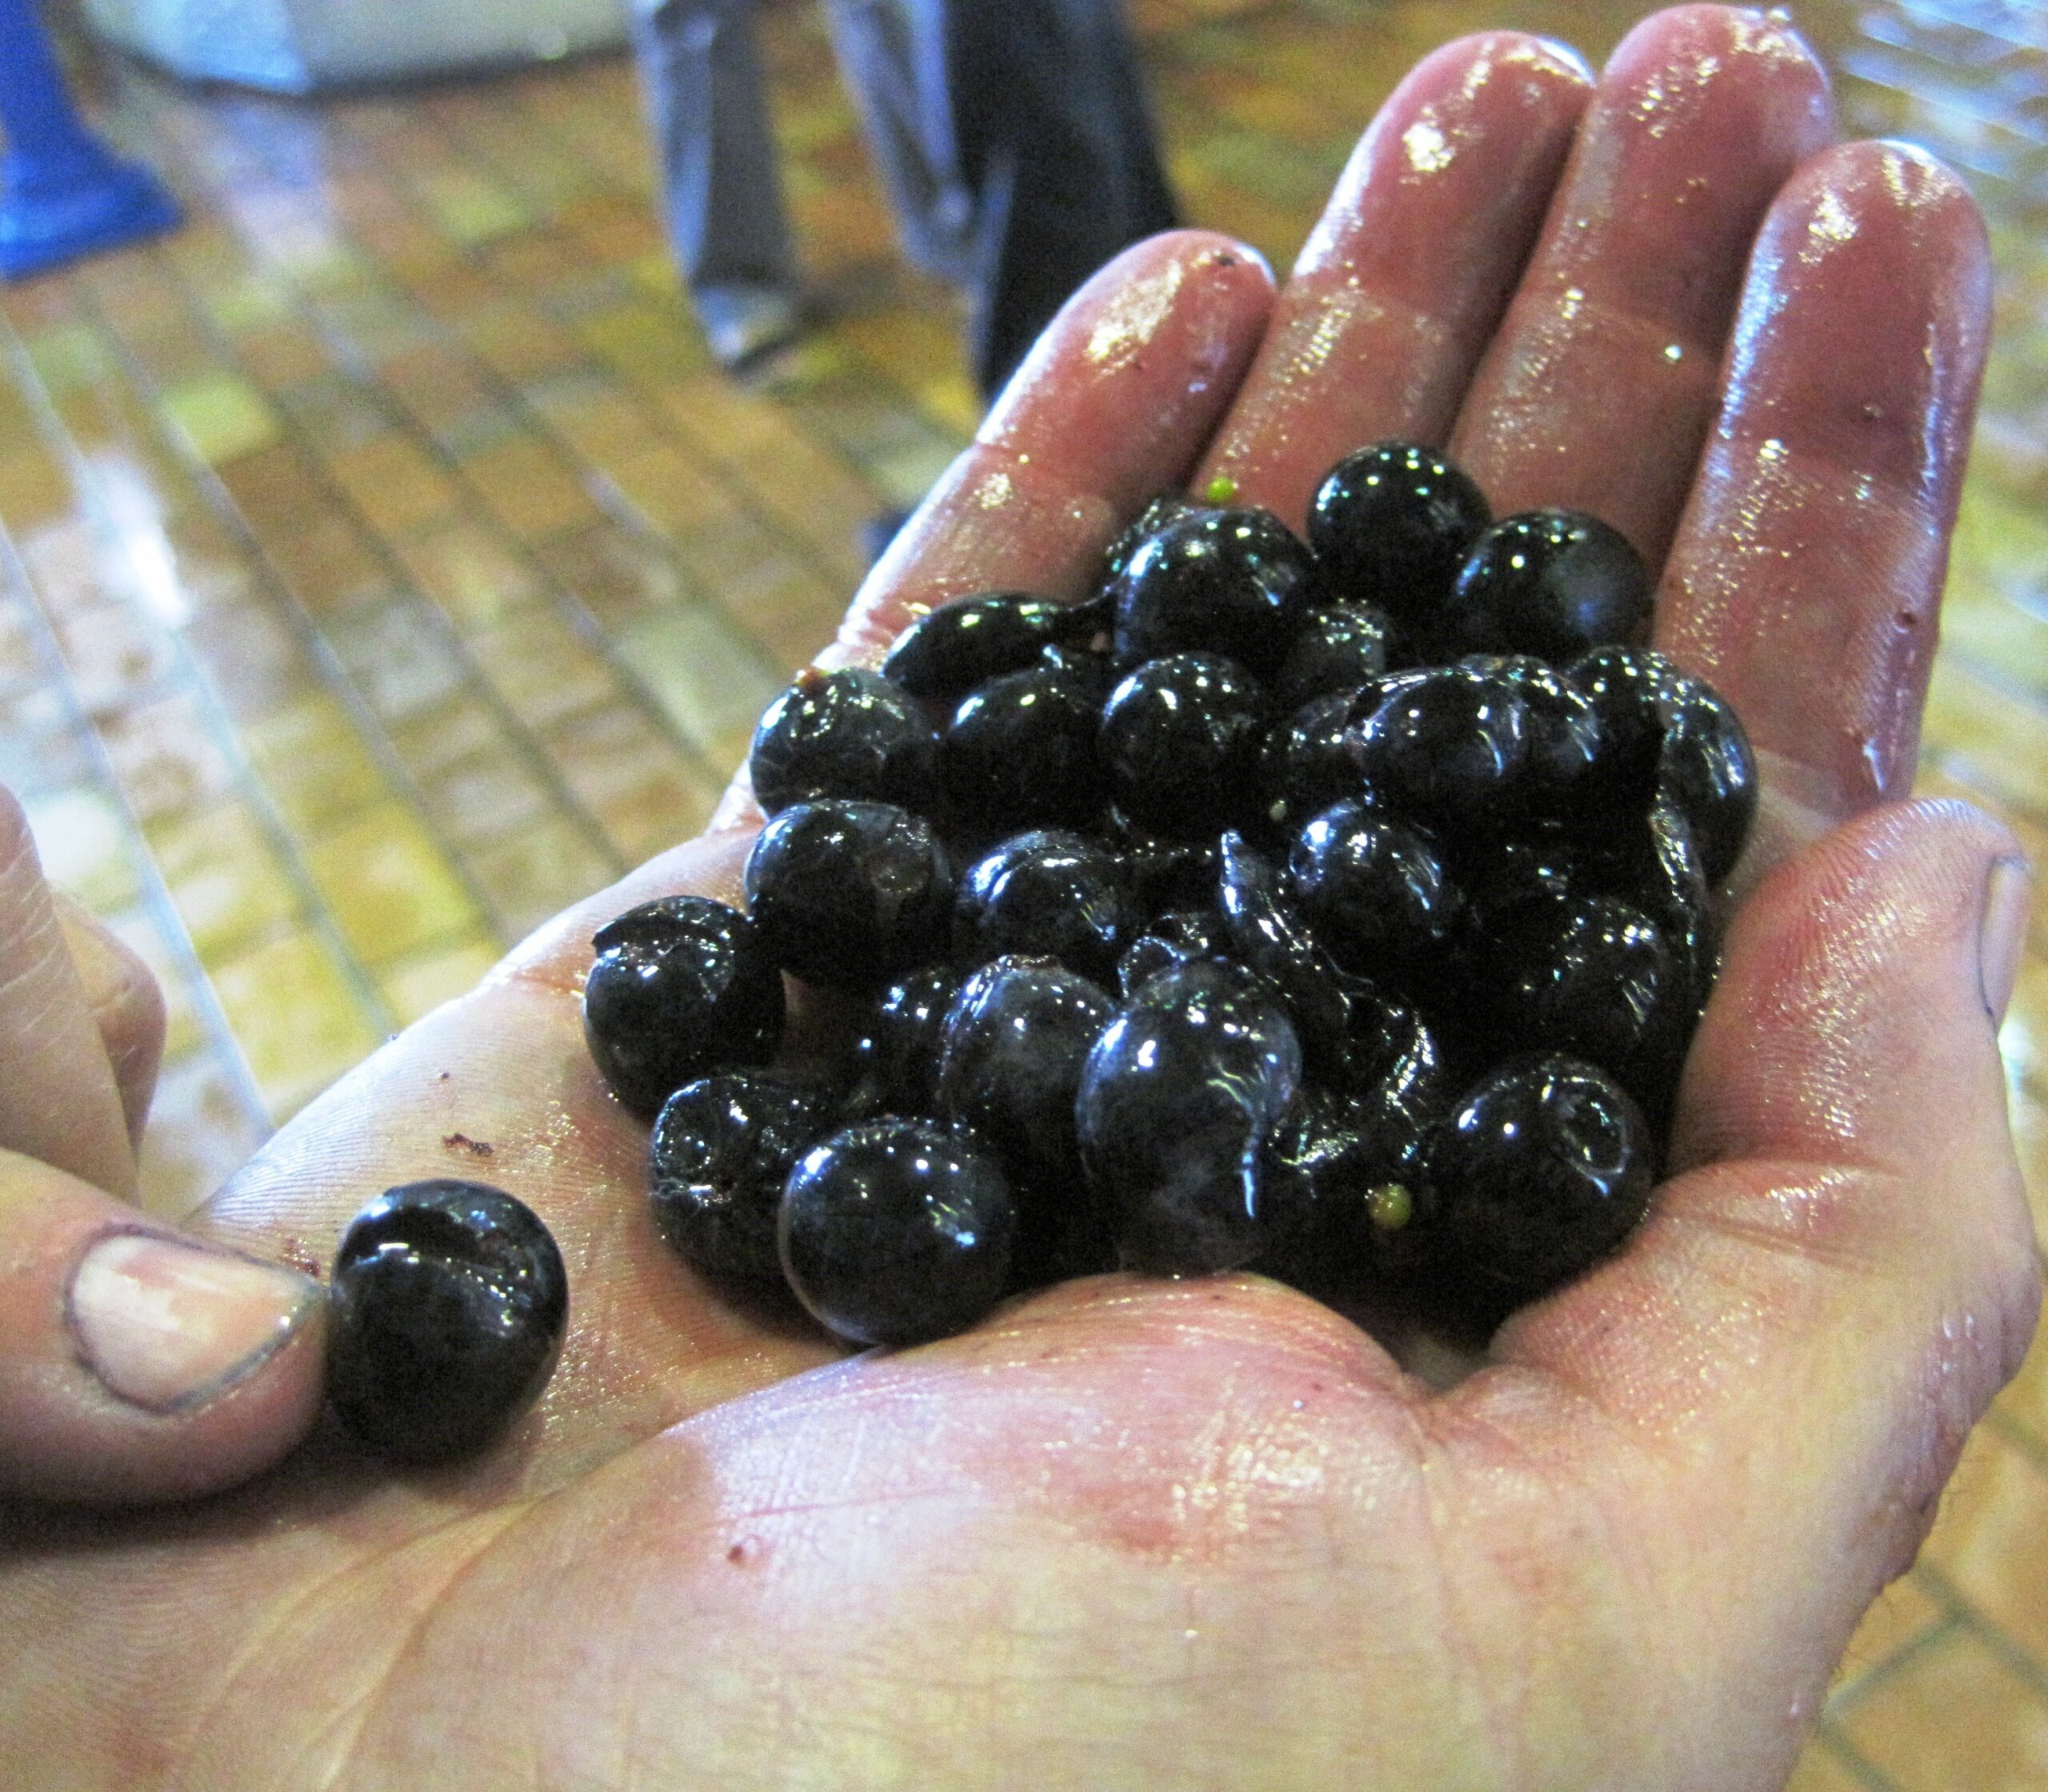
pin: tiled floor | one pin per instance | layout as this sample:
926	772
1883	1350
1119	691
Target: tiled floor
383	563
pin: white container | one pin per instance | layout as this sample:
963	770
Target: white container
301	47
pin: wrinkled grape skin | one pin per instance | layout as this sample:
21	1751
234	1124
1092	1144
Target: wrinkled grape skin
1020	751
849	895
1169	939
1232	582
446	1313
1543	1168
1049	894
1375	890
896	1230
680	987
944	654
1595	978
1177	1100
1015	1039
1392	523
848	733
1180	741
721	1150
1672	736
1553	583
1270	937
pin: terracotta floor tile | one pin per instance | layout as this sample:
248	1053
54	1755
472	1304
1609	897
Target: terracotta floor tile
200	1133
297	1016
222	415
1991	1542
530	488
708	679
311	758
644	791
34	487
1905	1613
225	878
167	756
616	574
485	792
391	886
398	658
395	484
469	570
531	873
541	668
518	342
281	355
1822	1769
418	984
251	655
1955	1718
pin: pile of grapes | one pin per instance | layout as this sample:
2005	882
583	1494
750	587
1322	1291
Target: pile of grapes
1339	909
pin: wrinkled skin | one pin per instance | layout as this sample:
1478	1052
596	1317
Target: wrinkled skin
1208	1534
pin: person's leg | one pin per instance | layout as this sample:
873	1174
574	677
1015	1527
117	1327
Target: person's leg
1057	141
720	186
892	55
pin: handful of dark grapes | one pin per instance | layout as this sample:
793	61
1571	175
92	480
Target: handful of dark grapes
1340	909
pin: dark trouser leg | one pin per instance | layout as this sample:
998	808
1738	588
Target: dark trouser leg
1057	140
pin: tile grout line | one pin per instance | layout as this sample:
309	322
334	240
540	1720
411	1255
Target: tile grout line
314	908
399	580
156	900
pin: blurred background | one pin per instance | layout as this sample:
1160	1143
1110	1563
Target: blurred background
385	560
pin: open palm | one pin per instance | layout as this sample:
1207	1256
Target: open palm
1207	1533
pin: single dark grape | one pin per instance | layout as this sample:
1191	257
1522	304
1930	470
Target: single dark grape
943	655
896	1058
894	1231
1562	728
1594	976
680	987
1375	890
1335	650
1180	743
849	895
847	734
1542	1168
721	1150
1015	1040
1048	895
1176	1103
1234	583
445	1315
1392	523
1020	751
1168	506
1553	583
1448	749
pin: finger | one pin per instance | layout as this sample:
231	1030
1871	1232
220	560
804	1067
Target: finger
1599	388
136	1363
1814	1316
58	1099
1807	576
1113	404
1378	329
126	1005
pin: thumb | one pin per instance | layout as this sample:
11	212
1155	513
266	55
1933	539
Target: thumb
1827	1297
134	1363
137	1363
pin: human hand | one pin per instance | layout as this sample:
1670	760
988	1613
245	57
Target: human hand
1208	1533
